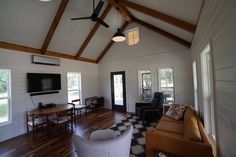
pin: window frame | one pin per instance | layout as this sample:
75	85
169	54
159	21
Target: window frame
195	85
9	99
79	90
208	91
140	85
128	39
159	83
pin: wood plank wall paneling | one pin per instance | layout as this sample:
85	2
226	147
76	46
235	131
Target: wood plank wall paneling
217	25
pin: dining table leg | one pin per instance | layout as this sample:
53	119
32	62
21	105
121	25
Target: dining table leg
48	126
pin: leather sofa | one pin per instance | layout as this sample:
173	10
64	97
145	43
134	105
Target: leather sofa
184	138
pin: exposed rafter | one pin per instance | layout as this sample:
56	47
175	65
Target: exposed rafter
159	15
110	43
162	32
93	31
54	25
122	10
27	49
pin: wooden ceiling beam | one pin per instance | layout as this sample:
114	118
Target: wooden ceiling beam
26	49
54	25
105	50
162	32
93	31
122	10
161	16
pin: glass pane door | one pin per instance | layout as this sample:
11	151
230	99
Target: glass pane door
118	89
118	94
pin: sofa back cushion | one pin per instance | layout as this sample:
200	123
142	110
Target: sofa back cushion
191	131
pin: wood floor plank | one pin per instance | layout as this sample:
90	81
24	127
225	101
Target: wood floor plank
59	144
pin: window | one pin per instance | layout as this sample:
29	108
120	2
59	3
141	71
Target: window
207	90
166	84
145	85
195	88
74	86
132	36
5	95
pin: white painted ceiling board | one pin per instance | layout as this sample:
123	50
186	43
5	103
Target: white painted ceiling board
26	22
70	35
187	10
103	36
151	43
163	25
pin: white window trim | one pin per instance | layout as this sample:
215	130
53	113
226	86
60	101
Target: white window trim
130	30
158	76
195	85
209	120
140	81
80	85
9	100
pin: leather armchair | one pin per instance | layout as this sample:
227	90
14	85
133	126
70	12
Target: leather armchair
151	111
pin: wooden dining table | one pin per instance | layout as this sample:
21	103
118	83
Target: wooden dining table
50	111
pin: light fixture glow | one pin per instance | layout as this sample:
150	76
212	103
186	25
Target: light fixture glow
119	36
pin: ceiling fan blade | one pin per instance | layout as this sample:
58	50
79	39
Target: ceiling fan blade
102	22
98	8
81	18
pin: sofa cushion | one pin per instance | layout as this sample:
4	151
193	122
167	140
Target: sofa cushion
191	131
166	118
176	111
172	127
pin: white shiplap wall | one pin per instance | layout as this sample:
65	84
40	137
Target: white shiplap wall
19	64
152	52
217	25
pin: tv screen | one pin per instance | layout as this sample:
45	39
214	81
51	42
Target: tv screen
43	82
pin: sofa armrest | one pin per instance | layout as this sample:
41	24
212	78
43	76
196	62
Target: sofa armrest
158	140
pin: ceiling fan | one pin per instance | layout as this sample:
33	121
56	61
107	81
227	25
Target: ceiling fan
94	17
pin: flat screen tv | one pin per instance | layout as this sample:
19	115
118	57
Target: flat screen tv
38	82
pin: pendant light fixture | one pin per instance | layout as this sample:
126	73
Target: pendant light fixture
118	36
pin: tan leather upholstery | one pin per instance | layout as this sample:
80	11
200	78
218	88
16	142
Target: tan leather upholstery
177	128
191	131
179	137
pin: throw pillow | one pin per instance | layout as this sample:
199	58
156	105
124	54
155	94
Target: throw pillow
176	111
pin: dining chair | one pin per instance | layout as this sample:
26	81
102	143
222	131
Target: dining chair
35	122
77	104
64	118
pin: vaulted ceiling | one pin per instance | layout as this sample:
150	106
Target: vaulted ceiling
45	27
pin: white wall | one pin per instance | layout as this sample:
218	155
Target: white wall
152	52
19	64
217	25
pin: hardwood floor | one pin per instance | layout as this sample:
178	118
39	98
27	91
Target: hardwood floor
59	144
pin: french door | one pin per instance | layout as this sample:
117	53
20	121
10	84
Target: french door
118	91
